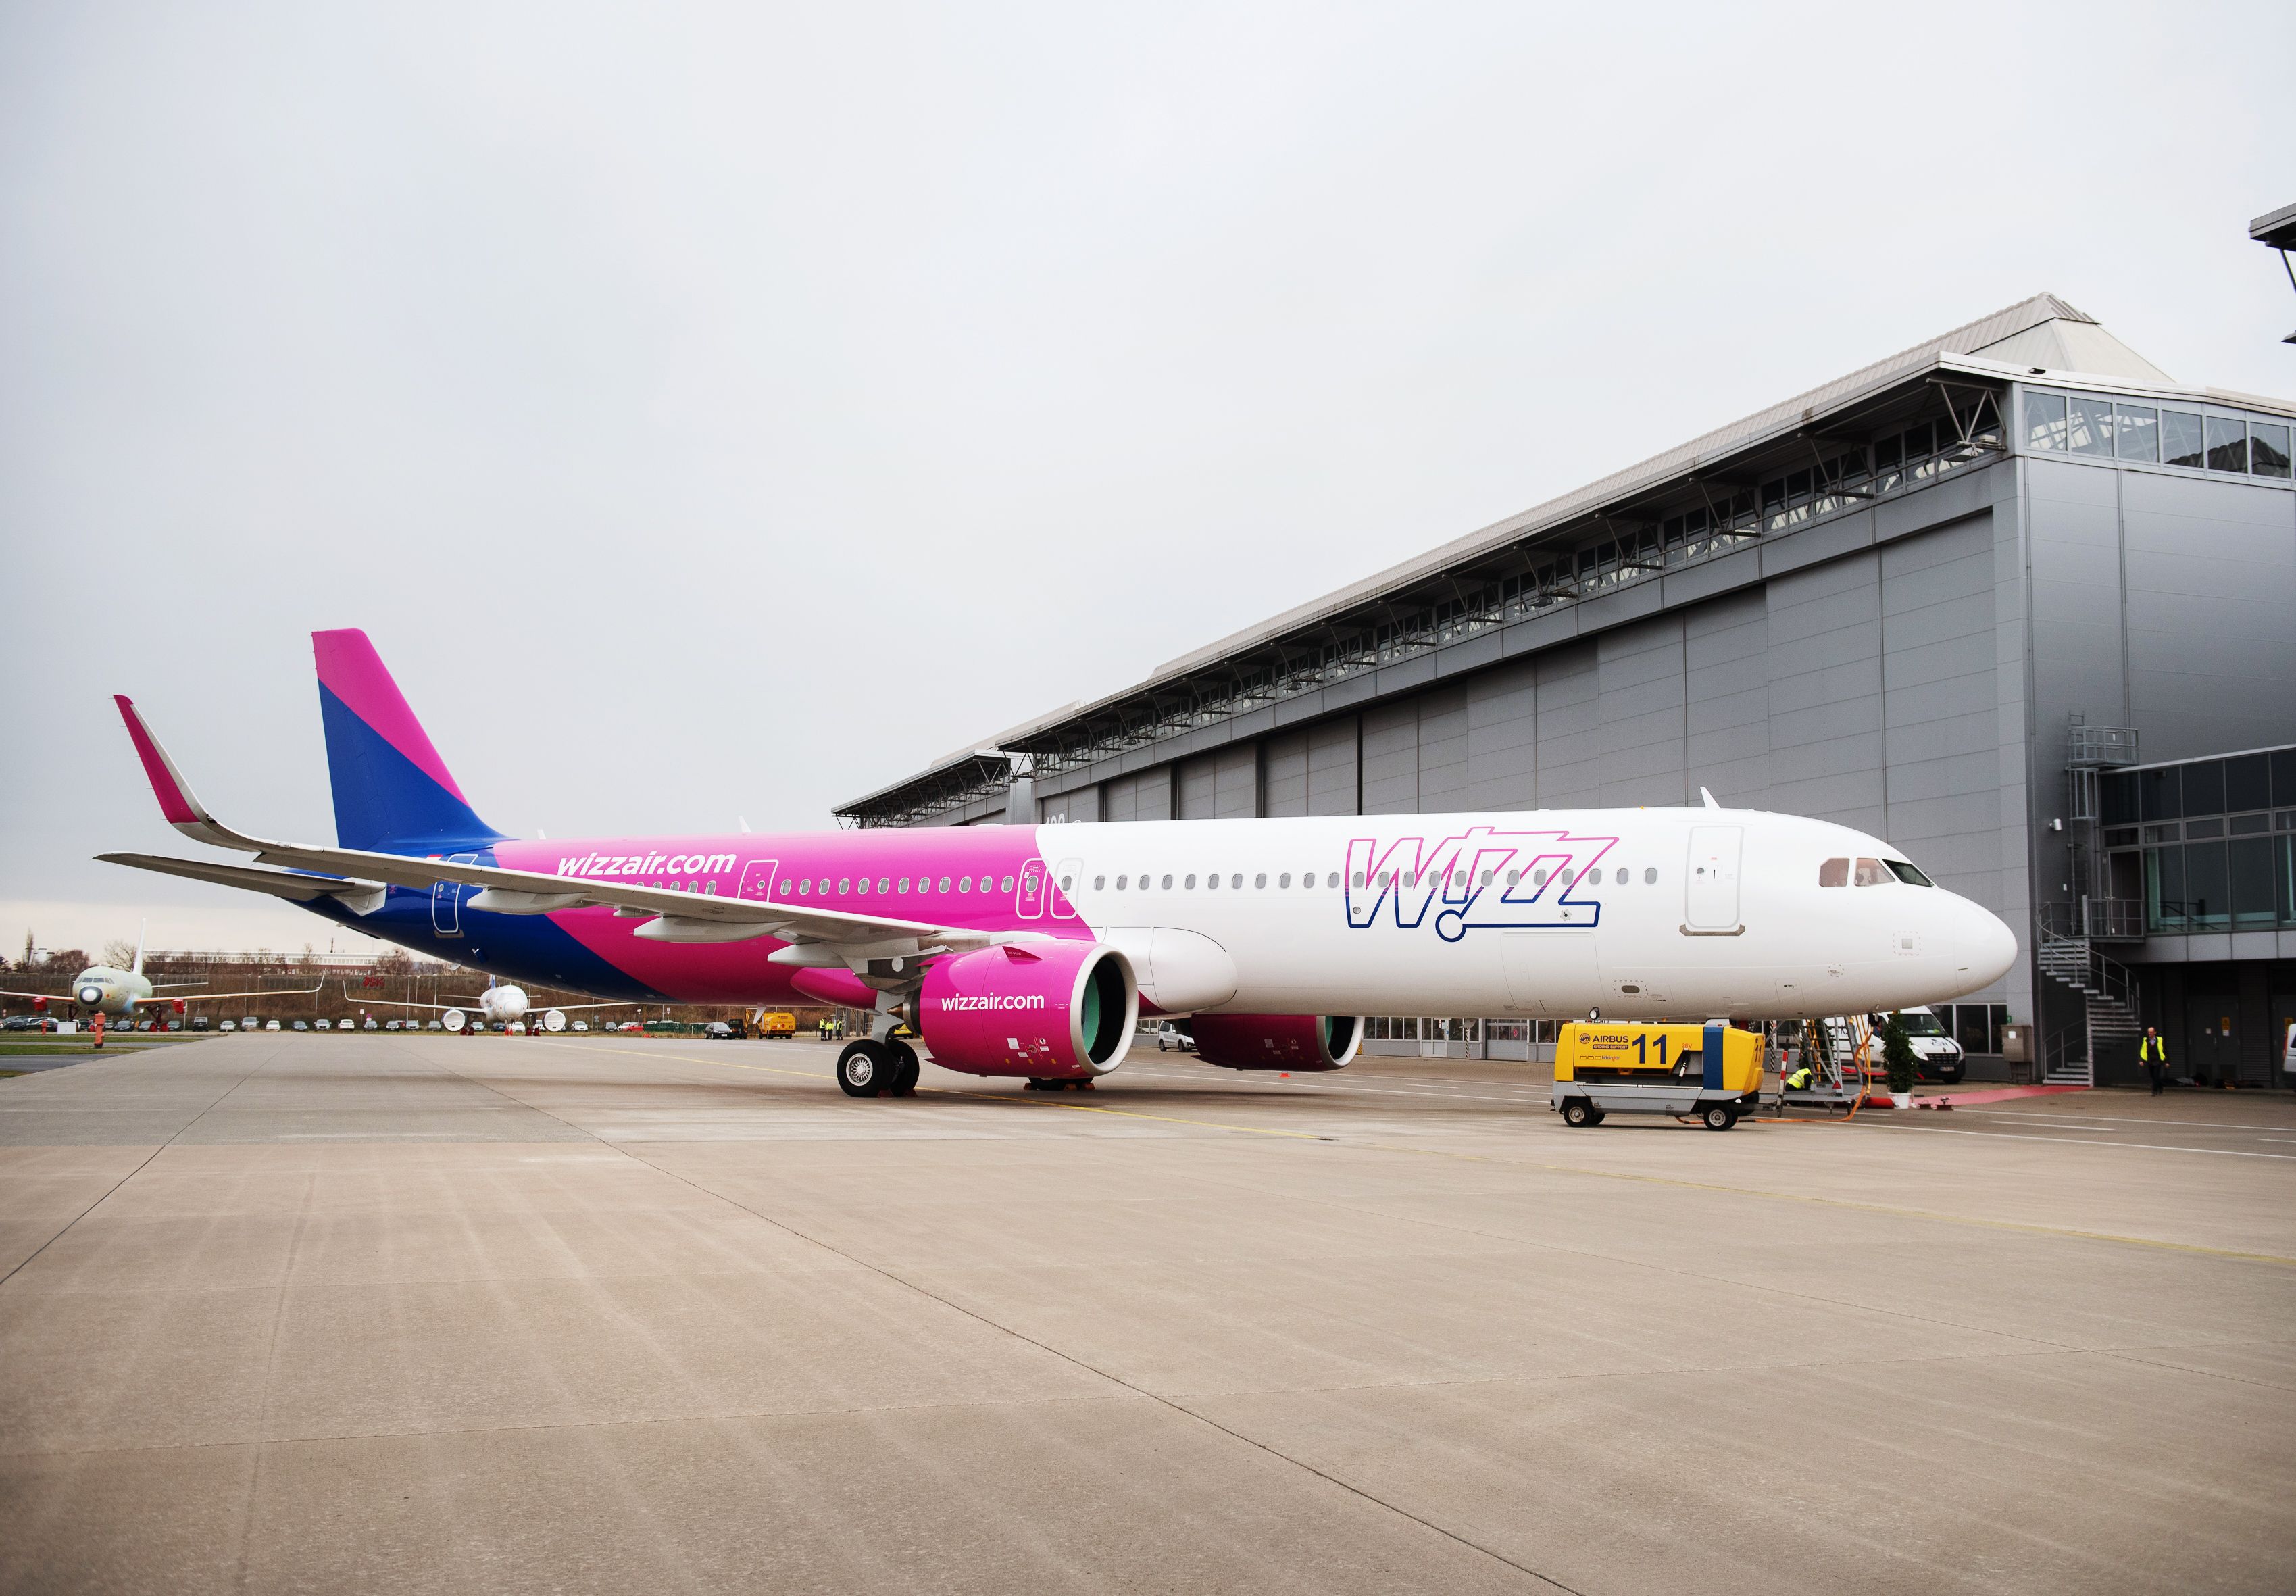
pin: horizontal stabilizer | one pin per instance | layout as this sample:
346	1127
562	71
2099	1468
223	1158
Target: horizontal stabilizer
361	897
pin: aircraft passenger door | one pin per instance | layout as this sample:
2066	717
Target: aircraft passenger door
1028	898
757	885
1710	880
447	900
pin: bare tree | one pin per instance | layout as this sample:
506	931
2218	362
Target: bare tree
120	954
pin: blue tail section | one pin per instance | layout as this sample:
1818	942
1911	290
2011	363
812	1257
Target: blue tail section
393	794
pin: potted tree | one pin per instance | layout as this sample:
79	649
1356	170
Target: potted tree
1898	1061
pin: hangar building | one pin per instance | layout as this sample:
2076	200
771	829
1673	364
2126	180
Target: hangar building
2014	599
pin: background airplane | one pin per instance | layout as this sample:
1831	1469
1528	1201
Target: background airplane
1030	950
101	989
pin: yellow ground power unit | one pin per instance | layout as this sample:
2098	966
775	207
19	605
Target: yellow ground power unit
1712	1071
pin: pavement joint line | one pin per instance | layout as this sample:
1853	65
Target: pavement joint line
1341	1140
1175	1405
2206	1153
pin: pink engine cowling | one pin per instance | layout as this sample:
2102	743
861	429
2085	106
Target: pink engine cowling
1277	1041
1051	1010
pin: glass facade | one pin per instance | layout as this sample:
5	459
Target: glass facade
2098	428
2213	840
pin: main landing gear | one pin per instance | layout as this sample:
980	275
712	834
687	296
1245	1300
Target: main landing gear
869	1067
1038	1084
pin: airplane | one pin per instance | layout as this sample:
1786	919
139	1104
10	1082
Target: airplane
1030	951
499	1004
101	989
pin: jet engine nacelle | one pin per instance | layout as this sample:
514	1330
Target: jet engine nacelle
454	1020
1277	1041
553	1020
1051	1010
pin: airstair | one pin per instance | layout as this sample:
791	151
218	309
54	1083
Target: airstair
2108	995
1846	1069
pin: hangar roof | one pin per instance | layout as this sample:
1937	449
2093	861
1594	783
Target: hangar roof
2040	332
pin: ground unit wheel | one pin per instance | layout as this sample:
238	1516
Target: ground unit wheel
1579	1111
1719	1116
905	1069
865	1069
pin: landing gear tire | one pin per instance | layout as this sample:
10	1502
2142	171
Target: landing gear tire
1718	1117
866	1067
906	1069
1579	1112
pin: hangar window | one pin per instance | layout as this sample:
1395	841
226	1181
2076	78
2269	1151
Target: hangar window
2088	424
1833	872
2227	444
2180	439
2045	421
2136	432
2267	451
1870	872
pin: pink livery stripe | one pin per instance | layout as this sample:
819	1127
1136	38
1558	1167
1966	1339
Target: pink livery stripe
350	669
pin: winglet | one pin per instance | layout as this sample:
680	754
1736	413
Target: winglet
1709	797
183	810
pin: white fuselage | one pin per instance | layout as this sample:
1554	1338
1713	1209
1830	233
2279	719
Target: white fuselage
1637	913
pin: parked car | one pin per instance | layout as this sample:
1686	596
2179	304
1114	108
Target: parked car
252	1024
1171	1037
20	1022
717	1030
199	1022
370	1024
581	1024
228	1025
436	1024
301	1027
324	1024
270	1025
390	1025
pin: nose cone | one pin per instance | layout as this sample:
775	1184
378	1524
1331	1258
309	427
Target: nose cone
1990	946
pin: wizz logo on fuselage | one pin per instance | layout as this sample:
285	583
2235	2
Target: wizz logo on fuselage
1480	879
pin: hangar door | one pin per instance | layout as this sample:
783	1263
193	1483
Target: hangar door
1711	883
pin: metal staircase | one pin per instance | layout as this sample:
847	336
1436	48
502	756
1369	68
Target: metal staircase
2109	994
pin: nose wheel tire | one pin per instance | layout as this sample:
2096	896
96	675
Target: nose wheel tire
865	1069
1719	1118
906	1068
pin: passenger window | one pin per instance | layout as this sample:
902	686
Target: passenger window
1458	878
1650	876
1008	884
1098	882
1168	882
1121	882
805	888
1514	878
943	884
844	884
1871	874
1360	878
1211	883
1487	878
1066	882
1386	879
1538	877
1333	882
1259	881
1285	880
1833	872
1568	878
905	884
1192	883
1235	882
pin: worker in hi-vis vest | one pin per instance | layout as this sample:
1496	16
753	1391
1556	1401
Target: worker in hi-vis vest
2153	1054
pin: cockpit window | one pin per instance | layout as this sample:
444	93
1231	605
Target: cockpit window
1833	872
1908	874
1871	874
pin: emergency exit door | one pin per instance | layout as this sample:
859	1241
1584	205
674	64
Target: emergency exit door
1710	881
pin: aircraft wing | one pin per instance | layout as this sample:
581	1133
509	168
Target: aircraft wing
680	916
59	997
471	1002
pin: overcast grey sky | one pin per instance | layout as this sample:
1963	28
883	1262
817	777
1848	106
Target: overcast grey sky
718	411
